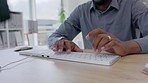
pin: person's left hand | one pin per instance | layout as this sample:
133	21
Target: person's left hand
107	42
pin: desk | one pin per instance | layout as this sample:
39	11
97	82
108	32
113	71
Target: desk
36	70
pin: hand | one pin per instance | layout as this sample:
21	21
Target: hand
108	42
65	45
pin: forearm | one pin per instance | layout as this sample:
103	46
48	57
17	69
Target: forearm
65	31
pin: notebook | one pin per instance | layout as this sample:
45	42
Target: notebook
93	58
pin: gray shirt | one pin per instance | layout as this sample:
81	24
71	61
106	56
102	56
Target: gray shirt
121	17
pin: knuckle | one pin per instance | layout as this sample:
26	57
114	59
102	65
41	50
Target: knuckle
61	44
100	35
113	43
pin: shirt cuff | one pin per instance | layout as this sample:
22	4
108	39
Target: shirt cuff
143	44
51	41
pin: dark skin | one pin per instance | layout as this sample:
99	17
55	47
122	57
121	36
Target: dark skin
104	6
101	41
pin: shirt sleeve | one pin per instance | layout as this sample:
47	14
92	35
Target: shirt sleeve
140	20
69	29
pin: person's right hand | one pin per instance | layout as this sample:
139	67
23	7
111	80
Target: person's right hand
65	45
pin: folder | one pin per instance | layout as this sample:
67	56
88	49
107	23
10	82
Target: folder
11	21
18	37
1	43
16	20
19	20
12	39
4	39
2	25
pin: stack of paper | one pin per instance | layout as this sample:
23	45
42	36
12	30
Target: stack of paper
18	37
2	25
1	43
4	39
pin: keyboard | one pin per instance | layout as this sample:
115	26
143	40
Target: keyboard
93	58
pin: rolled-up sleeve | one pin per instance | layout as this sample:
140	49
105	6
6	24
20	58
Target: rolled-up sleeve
69	29
140	19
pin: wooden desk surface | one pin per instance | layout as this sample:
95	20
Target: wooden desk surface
36	70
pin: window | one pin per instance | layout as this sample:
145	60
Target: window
47	14
20	6
47	9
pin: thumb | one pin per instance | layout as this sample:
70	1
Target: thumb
88	37
94	33
77	49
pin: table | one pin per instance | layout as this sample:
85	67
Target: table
40	70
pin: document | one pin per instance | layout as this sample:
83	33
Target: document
1	43
12	39
4	39
18	37
2	25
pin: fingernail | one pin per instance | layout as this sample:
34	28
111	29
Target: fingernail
87	37
54	48
68	51
60	50
102	48
97	51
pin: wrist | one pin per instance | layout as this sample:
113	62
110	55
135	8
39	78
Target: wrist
60	38
132	47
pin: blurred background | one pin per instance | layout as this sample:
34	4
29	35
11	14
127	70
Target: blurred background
46	13
40	18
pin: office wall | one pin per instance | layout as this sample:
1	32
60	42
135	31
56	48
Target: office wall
70	5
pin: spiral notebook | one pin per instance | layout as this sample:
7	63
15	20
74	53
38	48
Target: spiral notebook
93	58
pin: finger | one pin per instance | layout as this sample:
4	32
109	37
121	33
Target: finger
55	47
101	44
77	49
60	46
97	41
117	47
108	46
103	41
94	33
67	46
